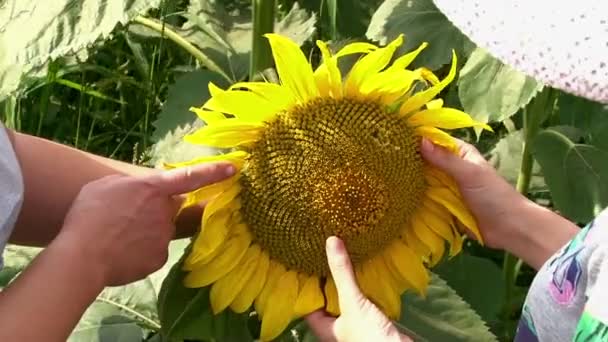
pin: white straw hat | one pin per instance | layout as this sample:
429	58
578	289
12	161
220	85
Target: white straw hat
561	43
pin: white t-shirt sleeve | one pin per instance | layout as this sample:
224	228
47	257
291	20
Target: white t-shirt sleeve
11	189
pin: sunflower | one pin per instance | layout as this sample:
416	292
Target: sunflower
321	155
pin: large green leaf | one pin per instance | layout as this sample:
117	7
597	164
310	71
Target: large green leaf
35	32
127	313
420	21
591	117
189	90
575	173
477	280
442	316
506	159
185	314
491	91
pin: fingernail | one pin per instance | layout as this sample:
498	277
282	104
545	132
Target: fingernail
230	170
332	244
427	145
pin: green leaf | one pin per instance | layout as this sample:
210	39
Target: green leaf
506	159
491	91
226	36
420	21
186	314
589	116
126	313
442	316
16	259
33	34
477	280
189	90
575	173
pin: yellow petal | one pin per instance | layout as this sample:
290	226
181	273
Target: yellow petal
388	85
439	226
429	238
310	297
327	75
214	233
354	48
412	240
442	179
446	198
370	64
208	116
447	118
237	158
220	265
281	97
428	76
374	284
196	260
405	60
227	133
435	104
221	201
275	272
293	68
209	191
253	287
419	99
278	315
407	266
250	106
456	246
225	290
332	305
438	137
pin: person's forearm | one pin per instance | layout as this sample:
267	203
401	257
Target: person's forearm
53	176
536	233
46	301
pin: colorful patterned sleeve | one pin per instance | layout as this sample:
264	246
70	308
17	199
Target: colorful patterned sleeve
568	298
593	324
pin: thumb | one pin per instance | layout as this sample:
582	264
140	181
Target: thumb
446	161
186	179
342	272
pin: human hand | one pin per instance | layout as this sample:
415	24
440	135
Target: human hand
122	225
360	319
491	199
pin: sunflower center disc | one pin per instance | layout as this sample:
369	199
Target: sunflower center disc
331	167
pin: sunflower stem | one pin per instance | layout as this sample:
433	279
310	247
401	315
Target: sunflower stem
534	114
263	22
167	32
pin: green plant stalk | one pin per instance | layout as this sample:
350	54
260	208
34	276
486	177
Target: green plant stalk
534	115
164	30
263	22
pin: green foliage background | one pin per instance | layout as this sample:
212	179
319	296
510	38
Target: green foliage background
116	78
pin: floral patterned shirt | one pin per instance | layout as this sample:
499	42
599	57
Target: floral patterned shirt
568	299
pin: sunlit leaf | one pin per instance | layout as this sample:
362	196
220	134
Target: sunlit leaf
420	21
35	32
491	91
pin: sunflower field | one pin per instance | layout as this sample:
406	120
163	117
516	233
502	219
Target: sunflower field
304	96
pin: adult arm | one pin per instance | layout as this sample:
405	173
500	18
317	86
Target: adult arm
53	175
